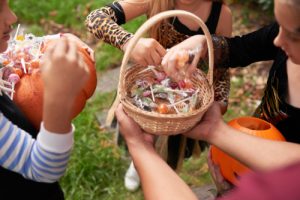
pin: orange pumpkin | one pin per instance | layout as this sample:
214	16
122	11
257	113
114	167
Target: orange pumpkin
29	92
232	169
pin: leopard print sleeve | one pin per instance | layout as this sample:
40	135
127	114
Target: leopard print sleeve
104	23
221	71
222	85
221	51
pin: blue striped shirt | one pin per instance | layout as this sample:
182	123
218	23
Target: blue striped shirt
44	159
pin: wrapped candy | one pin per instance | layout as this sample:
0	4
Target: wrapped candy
21	76
13	79
159	93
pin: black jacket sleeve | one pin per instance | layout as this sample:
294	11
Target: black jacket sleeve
253	47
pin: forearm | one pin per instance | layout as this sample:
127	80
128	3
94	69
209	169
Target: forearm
44	160
57	114
159	181
104	24
255	152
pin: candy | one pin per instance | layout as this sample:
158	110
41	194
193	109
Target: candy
181	84
20	37
21	57
182	58
160	76
14	78
35	64
165	96
18	71
146	93
163	109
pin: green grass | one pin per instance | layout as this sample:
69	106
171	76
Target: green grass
47	16
195	171
97	166
70	13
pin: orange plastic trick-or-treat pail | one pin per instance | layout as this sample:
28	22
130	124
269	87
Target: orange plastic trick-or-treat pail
230	168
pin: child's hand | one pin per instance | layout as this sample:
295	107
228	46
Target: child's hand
177	64
78	41
147	52
221	183
63	70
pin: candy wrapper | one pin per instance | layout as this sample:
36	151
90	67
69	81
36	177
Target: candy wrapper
159	93
20	75
22	56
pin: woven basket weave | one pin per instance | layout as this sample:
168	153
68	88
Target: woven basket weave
153	122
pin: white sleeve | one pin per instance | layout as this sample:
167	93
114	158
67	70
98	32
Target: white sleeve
42	160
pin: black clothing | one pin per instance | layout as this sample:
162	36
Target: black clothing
258	46
14	186
211	23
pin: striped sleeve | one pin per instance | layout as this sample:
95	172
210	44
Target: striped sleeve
42	160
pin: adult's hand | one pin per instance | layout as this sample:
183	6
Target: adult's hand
131	131
209	126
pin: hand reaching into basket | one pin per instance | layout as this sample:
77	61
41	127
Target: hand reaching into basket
181	60
147	51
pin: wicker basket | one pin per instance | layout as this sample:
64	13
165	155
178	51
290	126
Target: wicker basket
165	124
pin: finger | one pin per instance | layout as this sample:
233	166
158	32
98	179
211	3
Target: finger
143	62
84	66
121	116
190	71
149	60
149	138
156	58
46	58
165	59
126	123
172	64
50	48
161	50
196	60
61	47
72	50
219	176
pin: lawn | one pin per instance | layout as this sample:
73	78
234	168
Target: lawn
97	166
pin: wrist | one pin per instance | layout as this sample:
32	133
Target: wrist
217	131
57	113
124	46
136	147
58	98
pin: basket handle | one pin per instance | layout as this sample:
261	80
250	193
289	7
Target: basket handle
145	27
